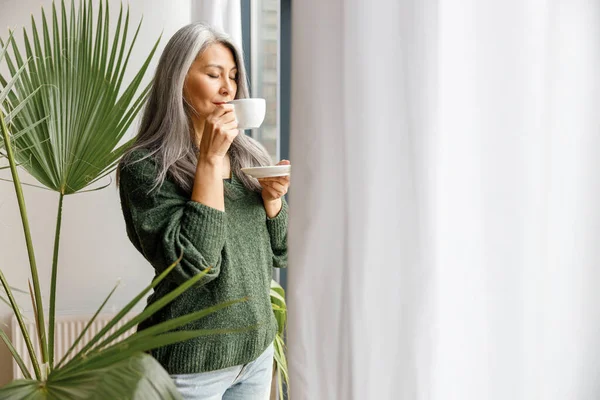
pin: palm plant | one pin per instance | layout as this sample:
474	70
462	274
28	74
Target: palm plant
64	112
72	81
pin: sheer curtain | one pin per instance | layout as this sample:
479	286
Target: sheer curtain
223	14
446	192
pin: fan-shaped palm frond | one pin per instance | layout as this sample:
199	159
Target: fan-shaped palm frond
73	70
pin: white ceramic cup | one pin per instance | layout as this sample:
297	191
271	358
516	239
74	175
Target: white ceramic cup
250	113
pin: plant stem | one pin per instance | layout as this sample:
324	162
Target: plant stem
17	311
28	241
53	281
15	354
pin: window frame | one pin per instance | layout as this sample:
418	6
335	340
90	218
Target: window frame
284	78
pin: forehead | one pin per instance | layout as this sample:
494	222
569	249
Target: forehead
217	54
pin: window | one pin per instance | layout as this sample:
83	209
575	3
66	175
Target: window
265	67
266	32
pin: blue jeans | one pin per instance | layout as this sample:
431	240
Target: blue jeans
251	381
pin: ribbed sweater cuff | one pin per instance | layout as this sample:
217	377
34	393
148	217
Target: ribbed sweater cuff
205	227
277	226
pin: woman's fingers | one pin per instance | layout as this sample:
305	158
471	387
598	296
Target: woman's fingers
219	132
271	194
277	186
228	117
280	180
222	115
222	109
274	187
283	180
231	125
225	117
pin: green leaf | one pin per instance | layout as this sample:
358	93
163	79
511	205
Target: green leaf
138	377
122	351
16	290
15	354
156	336
80	63
279	307
152	308
28	129
281	363
175	323
24	184
8	87
4	48
277	298
89	324
17	311
5	301
121	314
13	112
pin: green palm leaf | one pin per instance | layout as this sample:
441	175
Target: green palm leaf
68	104
280	310
121	370
85	107
279	306
138	377
64	112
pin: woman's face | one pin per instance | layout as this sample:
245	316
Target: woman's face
211	80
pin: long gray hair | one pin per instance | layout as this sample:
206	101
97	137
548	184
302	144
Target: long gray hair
166	127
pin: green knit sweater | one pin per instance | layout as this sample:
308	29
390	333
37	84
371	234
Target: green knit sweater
242	245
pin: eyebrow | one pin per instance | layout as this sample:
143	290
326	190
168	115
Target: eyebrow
218	66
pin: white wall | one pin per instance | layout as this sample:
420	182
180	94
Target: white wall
95	251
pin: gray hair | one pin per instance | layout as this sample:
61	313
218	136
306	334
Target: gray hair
166	126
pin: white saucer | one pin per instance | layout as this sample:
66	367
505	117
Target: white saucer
268	172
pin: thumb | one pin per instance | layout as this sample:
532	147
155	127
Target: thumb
284	162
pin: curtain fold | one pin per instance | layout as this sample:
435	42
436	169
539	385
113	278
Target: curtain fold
223	14
444	221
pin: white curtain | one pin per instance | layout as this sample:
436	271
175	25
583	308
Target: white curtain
445	224
223	14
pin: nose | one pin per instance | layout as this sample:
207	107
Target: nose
226	88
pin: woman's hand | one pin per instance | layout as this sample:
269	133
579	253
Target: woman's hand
220	128
273	189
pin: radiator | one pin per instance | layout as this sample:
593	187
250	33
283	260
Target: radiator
66	331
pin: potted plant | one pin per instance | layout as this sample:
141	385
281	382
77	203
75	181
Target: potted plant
63	114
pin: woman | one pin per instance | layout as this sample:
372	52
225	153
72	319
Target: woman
182	191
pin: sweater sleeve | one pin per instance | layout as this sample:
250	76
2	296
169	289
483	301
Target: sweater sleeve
163	224
277	228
